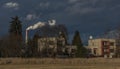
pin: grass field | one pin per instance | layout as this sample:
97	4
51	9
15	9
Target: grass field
49	63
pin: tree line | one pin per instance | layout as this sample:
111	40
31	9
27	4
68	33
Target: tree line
13	45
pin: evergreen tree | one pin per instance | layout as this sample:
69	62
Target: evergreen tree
76	39
14	41
81	51
15	27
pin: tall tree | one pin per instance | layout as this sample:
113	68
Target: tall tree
15	27
76	39
14	41
81	51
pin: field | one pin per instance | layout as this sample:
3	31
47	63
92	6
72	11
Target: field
49	63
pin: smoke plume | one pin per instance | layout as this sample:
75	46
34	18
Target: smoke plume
38	25
41	24
35	26
52	22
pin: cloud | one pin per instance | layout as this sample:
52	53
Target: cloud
44	4
94	12
14	5
31	17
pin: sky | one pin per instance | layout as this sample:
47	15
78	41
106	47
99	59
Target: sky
90	17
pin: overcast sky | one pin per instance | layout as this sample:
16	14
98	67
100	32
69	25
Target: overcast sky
90	17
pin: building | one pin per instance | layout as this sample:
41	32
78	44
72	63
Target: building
51	46
47	43
48	46
118	48
102	47
71	50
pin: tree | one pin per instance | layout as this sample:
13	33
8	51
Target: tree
9	47
15	27
35	44
14	40
76	39
30	48
81	51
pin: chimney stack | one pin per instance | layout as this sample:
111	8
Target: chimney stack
26	37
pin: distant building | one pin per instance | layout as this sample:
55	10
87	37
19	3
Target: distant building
71	50
50	46
118	48
46	42
102	47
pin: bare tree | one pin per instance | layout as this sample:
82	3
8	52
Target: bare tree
10	47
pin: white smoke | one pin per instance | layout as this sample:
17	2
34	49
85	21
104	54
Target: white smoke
41	24
30	27
35	26
52	22
38	25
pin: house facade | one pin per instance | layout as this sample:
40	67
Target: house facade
102	47
51	46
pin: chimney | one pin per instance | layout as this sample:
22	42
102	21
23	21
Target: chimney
26	37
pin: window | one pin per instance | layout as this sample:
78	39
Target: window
105	47
105	43
106	51
112	43
111	50
51	42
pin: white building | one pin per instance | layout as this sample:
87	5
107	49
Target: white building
102	47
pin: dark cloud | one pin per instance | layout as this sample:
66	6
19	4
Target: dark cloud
87	16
